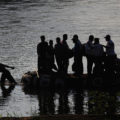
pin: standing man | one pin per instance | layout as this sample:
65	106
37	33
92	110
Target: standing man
89	54
51	56
42	54
77	53
110	55
65	60
58	53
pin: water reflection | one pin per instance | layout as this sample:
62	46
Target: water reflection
78	102
46	102
65	101
79	97
23	21
102	102
7	90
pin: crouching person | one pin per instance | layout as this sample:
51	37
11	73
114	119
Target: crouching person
6	74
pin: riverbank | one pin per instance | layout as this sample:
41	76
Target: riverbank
66	117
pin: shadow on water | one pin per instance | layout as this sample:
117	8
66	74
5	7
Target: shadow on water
77	101
102	102
63	101
6	91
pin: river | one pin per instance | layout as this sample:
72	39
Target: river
23	21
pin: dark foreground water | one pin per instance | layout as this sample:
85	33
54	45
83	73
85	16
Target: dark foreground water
21	24
16	101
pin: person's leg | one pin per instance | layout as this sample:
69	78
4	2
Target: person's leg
65	65
98	66
89	65
59	63
3	77
9	76
79	65
112	63
39	64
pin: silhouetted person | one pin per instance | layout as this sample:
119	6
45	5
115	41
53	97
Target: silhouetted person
58	53
98	53
66	49
77	53
89	54
6	74
42	54
51	57
110	55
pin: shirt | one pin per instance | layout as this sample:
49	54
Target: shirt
77	50
89	48
98	50
110	48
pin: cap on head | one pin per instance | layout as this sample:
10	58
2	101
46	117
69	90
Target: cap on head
107	37
75	38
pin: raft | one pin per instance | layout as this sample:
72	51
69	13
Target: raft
58	80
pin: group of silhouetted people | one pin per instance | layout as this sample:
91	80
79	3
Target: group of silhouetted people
47	54
103	60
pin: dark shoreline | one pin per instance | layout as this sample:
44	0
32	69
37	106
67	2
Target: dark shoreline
66	117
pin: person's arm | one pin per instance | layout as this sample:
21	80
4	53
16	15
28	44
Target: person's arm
104	46
38	49
10	67
7	66
107	46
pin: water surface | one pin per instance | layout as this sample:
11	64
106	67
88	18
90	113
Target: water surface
21	24
16	101
23	21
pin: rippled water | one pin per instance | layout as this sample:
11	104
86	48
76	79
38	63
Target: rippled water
16	101
23	21
21	24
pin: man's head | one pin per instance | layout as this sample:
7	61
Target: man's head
91	38
51	42
42	37
58	40
75	38
107	37
96	40
65	36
